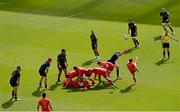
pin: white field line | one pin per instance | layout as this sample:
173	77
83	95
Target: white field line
73	15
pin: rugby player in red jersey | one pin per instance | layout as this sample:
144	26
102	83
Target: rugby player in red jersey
44	103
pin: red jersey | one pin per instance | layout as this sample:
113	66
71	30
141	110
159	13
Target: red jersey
72	74
132	68
44	103
109	64
100	71
82	71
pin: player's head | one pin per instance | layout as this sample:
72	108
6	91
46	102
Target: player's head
130	19
130	60
18	68
163	9
75	67
63	51
50	59
92	32
44	95
99	63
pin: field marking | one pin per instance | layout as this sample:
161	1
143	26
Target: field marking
73	15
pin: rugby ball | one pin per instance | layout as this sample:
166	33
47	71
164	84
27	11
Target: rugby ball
125	36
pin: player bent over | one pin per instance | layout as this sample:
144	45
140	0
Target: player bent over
113	59
101	72
15	81
132	66
107	65
44	103
43	71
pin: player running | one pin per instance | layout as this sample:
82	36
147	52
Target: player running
62	63
165	43
94	44
15	81
165	20
43	71
133	27
113	59
44	103
132	67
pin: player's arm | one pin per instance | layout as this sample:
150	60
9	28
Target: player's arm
18	81
50	106
173	38
128	29
38	107
46	71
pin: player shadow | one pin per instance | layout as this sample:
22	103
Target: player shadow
54	86
38	92
157	38
8	104
160	62
99	86
89	62
128	89
130	50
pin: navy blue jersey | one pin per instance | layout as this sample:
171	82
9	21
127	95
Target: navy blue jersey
44	66
61	59
93	39
132	25
114	57
165	16
15	75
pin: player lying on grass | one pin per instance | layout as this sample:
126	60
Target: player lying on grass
132	67
15	81
43	71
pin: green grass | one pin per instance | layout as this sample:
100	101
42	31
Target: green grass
27	39
143	11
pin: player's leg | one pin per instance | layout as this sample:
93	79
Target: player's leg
117	71
164	26
65	71
45	81
168	52
109	80
135	44
59	74
15	88
164	53
99	78
170	27
40	81
134	78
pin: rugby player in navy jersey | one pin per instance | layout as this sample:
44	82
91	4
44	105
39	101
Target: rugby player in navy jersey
62	64
43	71
165	20
94	44
132	26
15	81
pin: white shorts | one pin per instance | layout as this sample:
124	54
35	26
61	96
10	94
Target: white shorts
134	38
166	24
